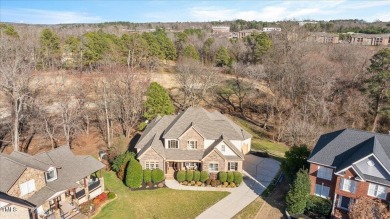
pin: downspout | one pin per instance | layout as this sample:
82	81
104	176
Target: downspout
334	203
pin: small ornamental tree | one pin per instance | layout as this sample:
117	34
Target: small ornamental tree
134	174
230	177
190	175
299	193
181	175
196	175
222	176
121	159
366	207
147	176
158	102
296	158
157	176
237	178
204	175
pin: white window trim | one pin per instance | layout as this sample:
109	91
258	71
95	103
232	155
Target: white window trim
30	185
344	186
324	176
156	164
340	200
215	163
55	174
195	143
230	166
376	191
223	148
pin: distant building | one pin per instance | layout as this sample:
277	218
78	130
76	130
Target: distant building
371	39
269	29
220	29
323	37
244	33
302	23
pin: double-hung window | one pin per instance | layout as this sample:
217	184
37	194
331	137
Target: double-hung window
324	173
192	145
223	148
232	166
213	167
151	165
322	191
27	187
348	185
378	191
173	144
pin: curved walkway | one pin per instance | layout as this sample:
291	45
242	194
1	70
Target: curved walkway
258	174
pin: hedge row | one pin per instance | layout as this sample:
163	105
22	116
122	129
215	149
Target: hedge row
230	177
191	175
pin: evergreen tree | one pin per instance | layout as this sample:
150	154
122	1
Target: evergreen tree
134	174
158	102
378	85
296	158
299	193
222	57
8	30
50	48
191	52
259	45
166	45
154	46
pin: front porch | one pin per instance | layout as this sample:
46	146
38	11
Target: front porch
171	167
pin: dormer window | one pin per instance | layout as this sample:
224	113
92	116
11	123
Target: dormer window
173	144
192	145
51	174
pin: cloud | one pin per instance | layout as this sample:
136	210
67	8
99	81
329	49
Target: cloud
36	16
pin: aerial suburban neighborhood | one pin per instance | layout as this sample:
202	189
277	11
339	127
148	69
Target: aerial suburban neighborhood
194	109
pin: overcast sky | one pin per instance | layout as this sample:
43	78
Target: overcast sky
93	11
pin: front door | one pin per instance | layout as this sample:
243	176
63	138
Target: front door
171	166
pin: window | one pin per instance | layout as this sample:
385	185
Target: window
344	202
324	173
378	40
223	148
360	39
27	187
378	191
151	165
322	191
192	145
348	185
232	166
173	144
191	165
213	167
51	174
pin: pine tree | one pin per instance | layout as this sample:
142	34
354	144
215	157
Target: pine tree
191	52
158	102
299	193
222	57
296	158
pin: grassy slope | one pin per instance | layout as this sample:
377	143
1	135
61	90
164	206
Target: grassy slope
159	203
251	210
259	141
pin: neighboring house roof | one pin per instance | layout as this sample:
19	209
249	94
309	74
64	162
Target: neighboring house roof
16	201
70	169
347	148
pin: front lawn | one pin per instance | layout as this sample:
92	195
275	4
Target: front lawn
158	203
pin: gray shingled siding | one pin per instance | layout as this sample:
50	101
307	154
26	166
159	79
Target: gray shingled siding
192	135
151	155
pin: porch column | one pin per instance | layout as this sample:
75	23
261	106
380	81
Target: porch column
86	188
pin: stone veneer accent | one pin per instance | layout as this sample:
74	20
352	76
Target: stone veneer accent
151	155
213	157
191	134
28	174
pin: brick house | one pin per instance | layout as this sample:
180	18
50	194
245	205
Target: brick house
348	164
371	39
194	139
51	184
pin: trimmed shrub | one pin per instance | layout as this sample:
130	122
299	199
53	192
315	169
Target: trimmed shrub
299	193
111	195
204	175
181	176
122	171
147	176
157	176
230	177
122	159
196	175
213	183
232	184
222	176
208	181
190	175
225	183
142	126
134	174
317	207
218	182
237	178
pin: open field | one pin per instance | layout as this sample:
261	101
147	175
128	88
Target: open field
159	203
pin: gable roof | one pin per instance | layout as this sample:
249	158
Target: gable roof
10	171
240	155
343	148
15	200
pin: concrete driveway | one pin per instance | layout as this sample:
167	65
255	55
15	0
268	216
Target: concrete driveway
258	174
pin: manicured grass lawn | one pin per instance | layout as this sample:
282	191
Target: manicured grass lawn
259	140
251	210
159	203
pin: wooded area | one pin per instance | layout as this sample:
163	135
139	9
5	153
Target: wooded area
59	81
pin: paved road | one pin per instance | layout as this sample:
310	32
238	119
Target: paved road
258	174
